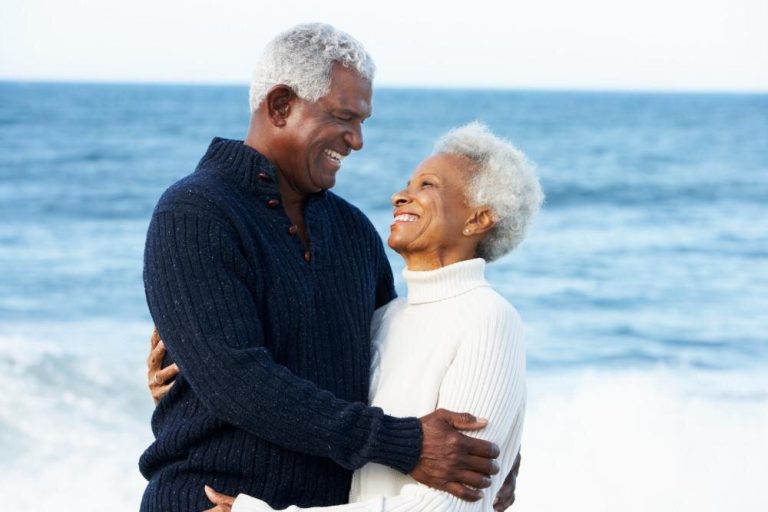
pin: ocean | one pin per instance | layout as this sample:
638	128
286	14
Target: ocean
643	283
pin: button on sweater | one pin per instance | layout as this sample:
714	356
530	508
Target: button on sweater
272	338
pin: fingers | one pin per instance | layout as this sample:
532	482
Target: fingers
166	374
156	355
218	498
506	495
158	392
503	500
463	492
480	448
155	339
158	377
453	461
482	465
212	495
159	384
464	420
472	479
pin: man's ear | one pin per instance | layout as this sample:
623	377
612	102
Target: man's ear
479	222
279	101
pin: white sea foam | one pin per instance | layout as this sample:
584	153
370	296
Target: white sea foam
645	441
73	424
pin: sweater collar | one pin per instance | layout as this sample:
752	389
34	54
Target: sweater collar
446	282
242	164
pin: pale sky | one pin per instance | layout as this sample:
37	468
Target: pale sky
553	44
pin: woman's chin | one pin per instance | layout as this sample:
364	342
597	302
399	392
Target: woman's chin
395	244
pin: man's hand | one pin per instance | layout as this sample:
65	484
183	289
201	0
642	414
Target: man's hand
451	461
506	495
222	502
157	376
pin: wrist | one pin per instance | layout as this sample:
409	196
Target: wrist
397	443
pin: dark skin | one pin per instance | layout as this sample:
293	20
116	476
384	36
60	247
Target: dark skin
306	141
506	495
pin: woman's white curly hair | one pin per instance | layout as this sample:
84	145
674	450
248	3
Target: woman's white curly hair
502	178
303	57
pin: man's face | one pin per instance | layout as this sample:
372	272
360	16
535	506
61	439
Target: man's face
321	133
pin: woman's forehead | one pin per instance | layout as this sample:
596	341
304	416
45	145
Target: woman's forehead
445	165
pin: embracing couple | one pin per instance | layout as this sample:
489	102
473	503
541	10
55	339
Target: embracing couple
289	374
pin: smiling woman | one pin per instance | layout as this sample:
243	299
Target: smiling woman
465	200
434	225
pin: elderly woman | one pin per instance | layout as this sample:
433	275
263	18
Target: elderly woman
454	342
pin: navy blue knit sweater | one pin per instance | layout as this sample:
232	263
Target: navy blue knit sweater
272	342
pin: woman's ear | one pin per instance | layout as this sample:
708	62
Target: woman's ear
279	101
480	222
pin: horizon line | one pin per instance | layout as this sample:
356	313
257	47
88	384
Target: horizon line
393	86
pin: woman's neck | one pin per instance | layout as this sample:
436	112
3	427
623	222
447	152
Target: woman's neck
432	260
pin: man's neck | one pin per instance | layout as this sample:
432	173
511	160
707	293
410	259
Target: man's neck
259	137
292	200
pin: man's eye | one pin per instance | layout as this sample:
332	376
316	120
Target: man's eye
343	118
426	184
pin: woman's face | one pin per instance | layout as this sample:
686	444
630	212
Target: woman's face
431	212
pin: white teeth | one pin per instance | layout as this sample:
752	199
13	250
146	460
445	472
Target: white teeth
334	155
406	217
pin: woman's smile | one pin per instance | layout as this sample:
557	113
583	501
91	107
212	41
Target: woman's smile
431	211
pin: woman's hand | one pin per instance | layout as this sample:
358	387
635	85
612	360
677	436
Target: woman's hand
158	377
222	502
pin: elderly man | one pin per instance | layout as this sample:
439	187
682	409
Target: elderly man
263	284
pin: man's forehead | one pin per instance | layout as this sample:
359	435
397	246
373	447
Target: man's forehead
350	91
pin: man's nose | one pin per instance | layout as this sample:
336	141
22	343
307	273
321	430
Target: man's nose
354	137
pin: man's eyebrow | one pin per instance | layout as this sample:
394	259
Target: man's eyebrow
352	113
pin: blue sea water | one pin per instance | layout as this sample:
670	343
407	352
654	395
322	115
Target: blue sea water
643	283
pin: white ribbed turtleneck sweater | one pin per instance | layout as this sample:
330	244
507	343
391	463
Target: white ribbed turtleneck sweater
456	344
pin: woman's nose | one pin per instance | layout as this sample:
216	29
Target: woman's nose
400	198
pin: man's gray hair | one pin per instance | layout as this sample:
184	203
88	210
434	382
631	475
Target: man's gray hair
303	57
502	179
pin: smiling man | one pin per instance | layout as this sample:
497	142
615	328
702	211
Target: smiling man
263	285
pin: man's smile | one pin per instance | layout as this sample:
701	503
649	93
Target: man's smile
334	156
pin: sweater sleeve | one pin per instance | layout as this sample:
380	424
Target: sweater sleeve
486	378
197	284
385	282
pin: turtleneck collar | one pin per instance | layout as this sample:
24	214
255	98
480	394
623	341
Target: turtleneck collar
446	282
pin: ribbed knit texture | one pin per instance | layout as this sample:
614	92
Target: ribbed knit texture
456	344
274	350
